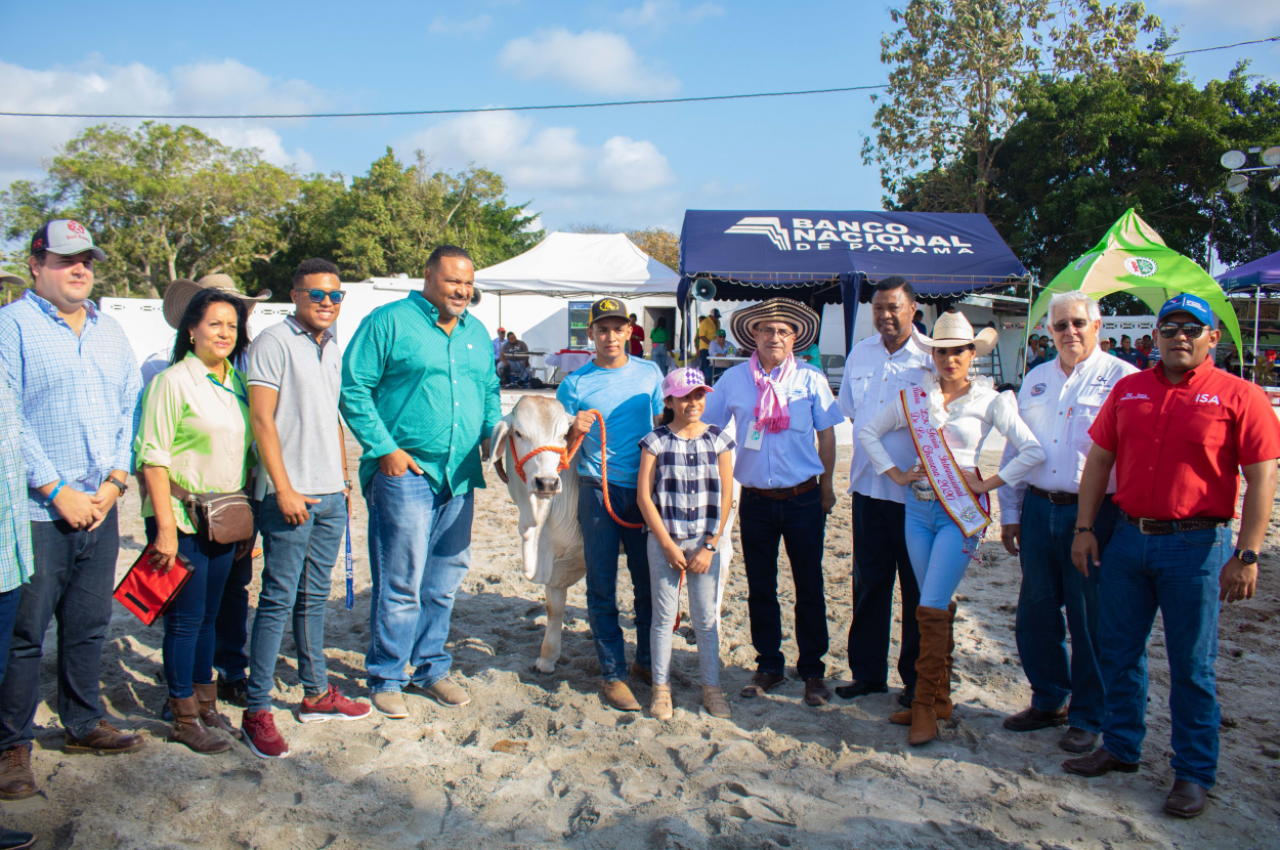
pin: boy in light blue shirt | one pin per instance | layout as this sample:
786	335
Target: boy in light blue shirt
628	393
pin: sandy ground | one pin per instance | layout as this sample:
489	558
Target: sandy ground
539	761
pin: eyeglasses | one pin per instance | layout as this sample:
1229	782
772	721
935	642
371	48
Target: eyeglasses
1078	324
318	295
1169	330
780	333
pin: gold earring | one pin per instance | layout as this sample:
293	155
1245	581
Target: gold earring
193	340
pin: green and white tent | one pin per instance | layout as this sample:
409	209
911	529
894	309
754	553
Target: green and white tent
1133	258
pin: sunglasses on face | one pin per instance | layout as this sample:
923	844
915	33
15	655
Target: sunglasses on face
1169	330
1078	324
318	295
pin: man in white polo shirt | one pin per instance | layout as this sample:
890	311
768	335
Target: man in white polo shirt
1059	401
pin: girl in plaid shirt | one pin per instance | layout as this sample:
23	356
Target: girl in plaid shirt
685	494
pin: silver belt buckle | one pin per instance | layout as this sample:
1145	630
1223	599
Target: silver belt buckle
1142	526
923	494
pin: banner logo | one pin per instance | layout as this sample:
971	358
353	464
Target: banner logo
827	234
1141	266
764	226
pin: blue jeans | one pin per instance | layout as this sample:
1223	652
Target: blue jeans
1050	582
419	552
600	539
939	553
1176	574
189	638
73	579
800	524
231	629
299	561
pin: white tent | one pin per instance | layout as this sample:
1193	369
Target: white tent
577	264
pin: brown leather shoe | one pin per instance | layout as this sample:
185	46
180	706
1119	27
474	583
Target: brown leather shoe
17	781
815	692
187	728
1078	741
1031	719
761	683
644	674
618	696
1097	763
105	739
1186	800
207	701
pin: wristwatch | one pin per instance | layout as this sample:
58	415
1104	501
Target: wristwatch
1246	556
708	545
124	488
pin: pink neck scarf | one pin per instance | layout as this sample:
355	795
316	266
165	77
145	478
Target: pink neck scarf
771	405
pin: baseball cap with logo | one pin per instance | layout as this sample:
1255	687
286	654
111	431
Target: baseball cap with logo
65	236
1188	303
683	381
606	308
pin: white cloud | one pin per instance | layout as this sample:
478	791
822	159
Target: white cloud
547	159
218	87
659	14
593	61
474	26
1247	13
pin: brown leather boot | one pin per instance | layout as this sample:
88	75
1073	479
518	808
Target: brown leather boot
187	728
207	700
930	667
942	706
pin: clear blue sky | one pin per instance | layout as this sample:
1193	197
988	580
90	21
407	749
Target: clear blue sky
629	167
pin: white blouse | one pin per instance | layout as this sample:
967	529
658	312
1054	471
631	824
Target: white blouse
965	424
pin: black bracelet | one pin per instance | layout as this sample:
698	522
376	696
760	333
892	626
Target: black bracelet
1088	528
124	488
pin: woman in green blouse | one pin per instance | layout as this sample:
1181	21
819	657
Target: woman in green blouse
661	339
195	430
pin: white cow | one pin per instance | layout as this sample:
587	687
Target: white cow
551	539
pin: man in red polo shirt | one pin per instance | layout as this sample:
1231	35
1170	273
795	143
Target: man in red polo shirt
1177	436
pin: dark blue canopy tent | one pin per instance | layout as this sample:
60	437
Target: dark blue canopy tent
830	257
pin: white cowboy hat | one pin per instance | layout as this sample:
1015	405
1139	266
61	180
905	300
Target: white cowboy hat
953	330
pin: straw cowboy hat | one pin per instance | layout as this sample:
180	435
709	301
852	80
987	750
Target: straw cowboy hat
743	322
179	294
953	330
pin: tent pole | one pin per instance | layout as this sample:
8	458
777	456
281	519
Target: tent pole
499	309
1257	314
1026	332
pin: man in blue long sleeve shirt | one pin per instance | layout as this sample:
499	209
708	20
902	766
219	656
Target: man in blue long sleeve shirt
77	384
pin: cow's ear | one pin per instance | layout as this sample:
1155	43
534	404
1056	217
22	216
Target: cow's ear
497	449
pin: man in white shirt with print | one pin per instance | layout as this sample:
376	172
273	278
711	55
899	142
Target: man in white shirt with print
1059	401
877	370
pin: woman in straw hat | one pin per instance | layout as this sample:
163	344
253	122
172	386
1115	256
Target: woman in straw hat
949	418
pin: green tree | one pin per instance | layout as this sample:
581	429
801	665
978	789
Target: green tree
957	68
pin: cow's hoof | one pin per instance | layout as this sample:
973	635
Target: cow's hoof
542	665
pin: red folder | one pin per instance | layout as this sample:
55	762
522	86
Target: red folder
146	591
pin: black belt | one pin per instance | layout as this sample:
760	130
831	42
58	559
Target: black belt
1173	526
784	494
1054	498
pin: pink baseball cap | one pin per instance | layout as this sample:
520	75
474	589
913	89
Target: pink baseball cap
683	381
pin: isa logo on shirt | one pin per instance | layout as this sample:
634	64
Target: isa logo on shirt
1038	389
1206	398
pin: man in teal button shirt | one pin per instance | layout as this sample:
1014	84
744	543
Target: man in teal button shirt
420	393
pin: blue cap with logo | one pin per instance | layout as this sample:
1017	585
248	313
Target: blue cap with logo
1187	303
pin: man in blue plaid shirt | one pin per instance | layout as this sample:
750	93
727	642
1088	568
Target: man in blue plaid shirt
77	384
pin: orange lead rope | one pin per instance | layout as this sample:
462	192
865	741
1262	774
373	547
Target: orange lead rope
566	455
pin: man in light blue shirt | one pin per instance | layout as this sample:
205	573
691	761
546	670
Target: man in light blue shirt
77	385
779	407
628	393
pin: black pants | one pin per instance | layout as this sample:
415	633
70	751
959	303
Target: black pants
75	573
800	523
880	554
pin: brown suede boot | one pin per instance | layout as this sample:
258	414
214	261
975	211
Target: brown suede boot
187	728
207	700
942	705
930	667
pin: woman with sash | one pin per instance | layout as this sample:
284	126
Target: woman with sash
949	418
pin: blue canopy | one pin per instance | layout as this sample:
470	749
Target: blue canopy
1260	274
828	257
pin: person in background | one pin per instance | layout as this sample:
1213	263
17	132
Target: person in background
787	416
707	330
812	355
498	341
636	346
1112	346
1104	345
660	338
1131	355
77	384
1033	349
195	433
295	376
1145	345
917	321
517	367
1177	436
686	495
877	370
421	466
628	394
964	411
1059	401
720	347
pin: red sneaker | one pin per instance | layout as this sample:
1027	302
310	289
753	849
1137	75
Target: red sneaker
332	706
259	728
